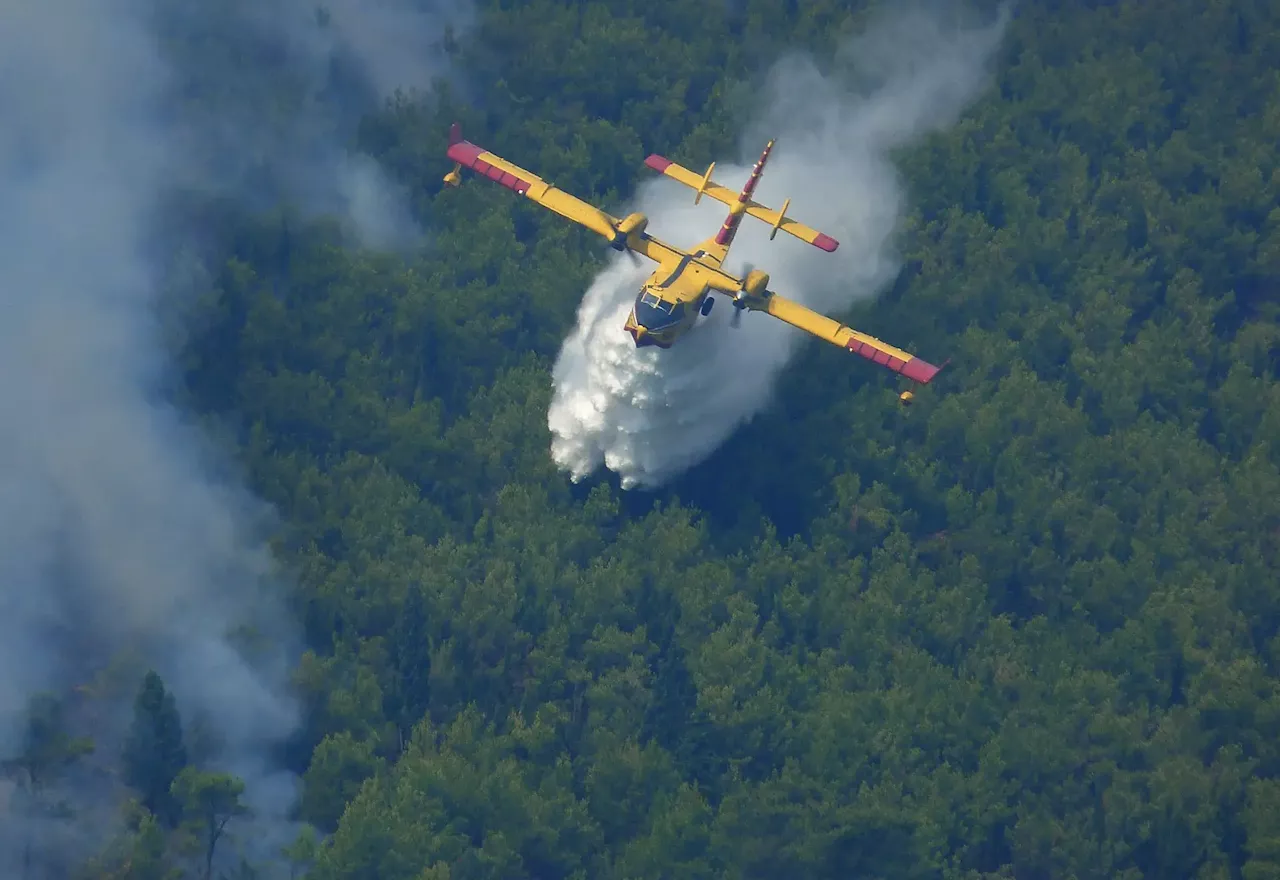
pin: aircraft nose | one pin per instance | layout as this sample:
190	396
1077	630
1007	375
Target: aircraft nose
640	335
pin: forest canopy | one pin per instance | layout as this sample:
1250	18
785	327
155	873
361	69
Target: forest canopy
1028	628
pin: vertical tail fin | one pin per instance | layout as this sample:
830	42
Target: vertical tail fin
725	236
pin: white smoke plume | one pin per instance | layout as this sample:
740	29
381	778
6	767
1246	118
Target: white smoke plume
119	529
649	414
272	91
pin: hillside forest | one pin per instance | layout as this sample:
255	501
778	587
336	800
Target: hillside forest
1028	627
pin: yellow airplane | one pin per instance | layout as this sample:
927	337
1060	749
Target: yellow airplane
681	287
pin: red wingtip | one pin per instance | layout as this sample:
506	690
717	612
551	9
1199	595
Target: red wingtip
921	371
826	242
455	134
658	163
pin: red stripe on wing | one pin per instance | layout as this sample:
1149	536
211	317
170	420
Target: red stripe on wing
915	369
510	181
826	242
658	163
920	371
467	153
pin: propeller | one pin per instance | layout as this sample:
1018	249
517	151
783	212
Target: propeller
739	306
635	258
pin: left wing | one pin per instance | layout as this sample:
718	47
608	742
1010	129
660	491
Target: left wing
846	337
526	183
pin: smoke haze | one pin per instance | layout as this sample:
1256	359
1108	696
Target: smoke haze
118	529
649	414
272	92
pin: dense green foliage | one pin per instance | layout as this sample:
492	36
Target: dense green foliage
1027	629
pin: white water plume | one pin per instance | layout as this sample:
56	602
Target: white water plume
649	414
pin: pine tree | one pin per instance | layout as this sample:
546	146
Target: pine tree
209	801
154	753
411	657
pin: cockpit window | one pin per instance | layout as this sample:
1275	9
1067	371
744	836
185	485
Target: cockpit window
655	313
649	299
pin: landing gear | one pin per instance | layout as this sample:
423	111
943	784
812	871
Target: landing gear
706	306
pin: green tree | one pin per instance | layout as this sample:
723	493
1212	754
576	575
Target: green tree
154	752
209	801
47	752
48	747
302	852
410	646
140	853
339	766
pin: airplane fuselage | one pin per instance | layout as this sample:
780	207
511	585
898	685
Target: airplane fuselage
671	300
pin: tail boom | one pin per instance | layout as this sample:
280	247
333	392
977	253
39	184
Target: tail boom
724	237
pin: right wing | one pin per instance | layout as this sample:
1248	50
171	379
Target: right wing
704	185
846	337
526	183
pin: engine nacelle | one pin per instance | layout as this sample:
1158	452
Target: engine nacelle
633	223
756	283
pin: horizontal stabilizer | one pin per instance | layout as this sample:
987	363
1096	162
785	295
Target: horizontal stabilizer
702	185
